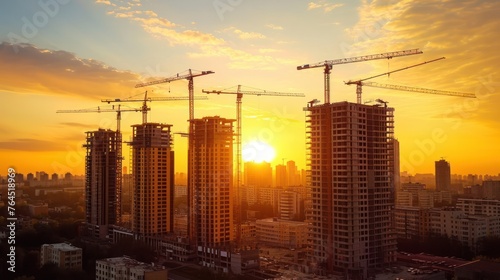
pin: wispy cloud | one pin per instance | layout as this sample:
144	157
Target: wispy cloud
205	44
274	26
30	144
244	35
324	5
105	2
460	31
59	73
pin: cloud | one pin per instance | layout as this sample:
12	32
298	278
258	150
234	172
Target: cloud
462	31
105	2
274	27
59	73
75	124
323	5
241	59
245	35
204	44
30	144
268	50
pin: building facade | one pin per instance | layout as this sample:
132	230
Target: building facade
484	207
62	254
350	158
443	175
282	233
125	268
210	190
153	179
468	229
103	181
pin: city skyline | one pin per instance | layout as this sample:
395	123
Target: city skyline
54	57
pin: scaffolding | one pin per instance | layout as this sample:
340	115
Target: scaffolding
350	161
103	180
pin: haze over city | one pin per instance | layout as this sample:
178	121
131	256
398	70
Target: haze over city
74	53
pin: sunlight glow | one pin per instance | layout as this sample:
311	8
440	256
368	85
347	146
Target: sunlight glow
257	151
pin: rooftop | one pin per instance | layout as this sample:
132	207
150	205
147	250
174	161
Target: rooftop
130	263
63	246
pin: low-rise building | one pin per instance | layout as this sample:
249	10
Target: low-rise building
411	222
468	229
64	255
479	206
125	268
282	233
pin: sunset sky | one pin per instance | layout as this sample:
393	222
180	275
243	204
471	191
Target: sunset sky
70	54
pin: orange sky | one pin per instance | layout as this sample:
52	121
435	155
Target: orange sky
71	62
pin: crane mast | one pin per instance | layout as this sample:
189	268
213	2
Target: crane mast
359	83
239	96
328	64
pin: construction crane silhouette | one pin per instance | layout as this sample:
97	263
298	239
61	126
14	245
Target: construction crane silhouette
239	95
114	109
145	108
190	76
328	64
421	90
359	83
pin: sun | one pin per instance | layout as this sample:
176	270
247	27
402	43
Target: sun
257	151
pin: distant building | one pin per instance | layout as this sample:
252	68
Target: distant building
68	176
125	268
281	233
54	177
468	229
443	175
411	222
43	176
62	254
479	207
491	189
19	178
30	177
281	176
290	205
292	174
180	191
258	174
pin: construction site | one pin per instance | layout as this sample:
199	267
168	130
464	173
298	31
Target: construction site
352	166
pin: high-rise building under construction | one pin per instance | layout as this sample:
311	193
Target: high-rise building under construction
153	179
103	181
210	190
350	162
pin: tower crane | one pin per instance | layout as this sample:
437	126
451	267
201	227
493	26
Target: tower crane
188	77
328	64
359	83
144	108
417	89
239	95
114	108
